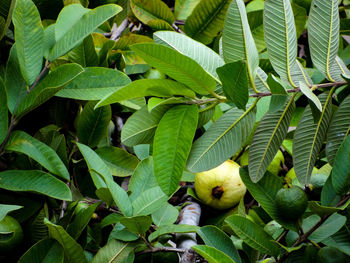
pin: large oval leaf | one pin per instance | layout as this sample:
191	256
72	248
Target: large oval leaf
222	140
84	54
3	112
47	250
237	39
24	143
29	35
34	181
206	20
212	254
92	125
115	251
267	139
5	209
149	201
176	65
172	144
323	32
338	129
341	169
309	137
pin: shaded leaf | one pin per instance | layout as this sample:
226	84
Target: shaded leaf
84	54
168	229
183	8
45	251
3	112
212	254
113	252
5	209
341	168
138	224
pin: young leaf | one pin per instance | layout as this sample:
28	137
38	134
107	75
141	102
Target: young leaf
48	87
92	125
5	209
203	55
264	192
72	250
165	215
29	35
323	32
120	162
74	24
153	13
24	143
234	78
149	201
212	254
141	126
115	251
168	229
216	238
176	65
237	40
206	20
309	137
85	54
267	139
341	168
147	87
310	95
222	140
253	235
34	181
338	129
137	224
172	144
94	84
3	112
46	250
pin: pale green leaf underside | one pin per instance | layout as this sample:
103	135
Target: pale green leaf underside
310	95
5	209
212	254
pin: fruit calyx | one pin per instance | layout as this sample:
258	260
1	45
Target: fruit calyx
217	192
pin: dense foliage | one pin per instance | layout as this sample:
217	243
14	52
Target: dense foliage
109	108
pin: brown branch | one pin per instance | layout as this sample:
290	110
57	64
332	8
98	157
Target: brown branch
162	249
40	76
117	31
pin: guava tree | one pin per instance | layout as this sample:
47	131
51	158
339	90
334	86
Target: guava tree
122	124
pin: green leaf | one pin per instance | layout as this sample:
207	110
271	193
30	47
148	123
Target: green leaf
5	209
237	40
328	195
222	140
309	137
149	201
29	35
300	17
3	112
338	129
14	83
264	192
120	232
168	229
147	87
339	240
176	65
45	251
267	139
34	181
85	54
120	162
279	94
253	235
165	215
6	11
281	40
94	84
172	145
142	179
92	125
183	8
216	238
72	250
102	178
138	224
310	95
339	70
74	23
24	143
234	78
203	55
323	32
81	220
141	126
153	13
341	168
38	229
212	254
48	87
206	20
114	252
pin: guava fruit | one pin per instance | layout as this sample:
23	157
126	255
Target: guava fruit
154	74
11	234
275	166
330	255
291	203
220	187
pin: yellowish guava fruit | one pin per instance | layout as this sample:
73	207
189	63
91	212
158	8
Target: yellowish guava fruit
11	234
221	187
275	166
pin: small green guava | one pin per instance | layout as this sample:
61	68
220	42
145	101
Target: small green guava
11	234
221	187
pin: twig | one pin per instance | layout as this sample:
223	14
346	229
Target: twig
162	249
177	29
9	130
41	75
116	32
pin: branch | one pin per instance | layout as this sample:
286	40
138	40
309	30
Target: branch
41	75
9	130
117	31
162	249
